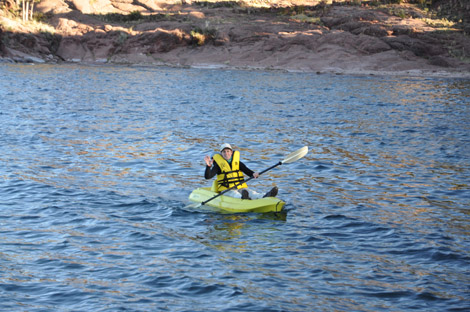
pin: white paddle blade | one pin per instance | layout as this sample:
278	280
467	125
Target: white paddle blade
193	206
296	155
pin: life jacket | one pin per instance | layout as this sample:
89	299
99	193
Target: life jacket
230	175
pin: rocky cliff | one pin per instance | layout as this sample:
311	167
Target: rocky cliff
320	36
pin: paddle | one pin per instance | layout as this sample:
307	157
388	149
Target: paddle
289	159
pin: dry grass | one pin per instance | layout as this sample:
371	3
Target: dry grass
439	23
17	25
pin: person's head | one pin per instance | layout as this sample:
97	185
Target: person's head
226	151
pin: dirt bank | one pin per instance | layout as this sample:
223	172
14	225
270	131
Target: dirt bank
369	38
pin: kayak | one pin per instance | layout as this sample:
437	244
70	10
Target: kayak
229	204
204	196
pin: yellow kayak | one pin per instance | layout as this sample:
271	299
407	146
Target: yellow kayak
236	205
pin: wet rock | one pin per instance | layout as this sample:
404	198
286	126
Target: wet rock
20	57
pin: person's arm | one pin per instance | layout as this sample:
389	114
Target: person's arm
211	171
248	171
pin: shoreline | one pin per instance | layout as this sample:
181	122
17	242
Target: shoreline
442	74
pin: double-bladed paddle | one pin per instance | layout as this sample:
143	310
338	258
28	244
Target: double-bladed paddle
289	159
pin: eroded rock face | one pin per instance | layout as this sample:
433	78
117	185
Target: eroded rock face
346	38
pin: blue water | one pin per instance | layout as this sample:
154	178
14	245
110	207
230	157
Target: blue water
96	165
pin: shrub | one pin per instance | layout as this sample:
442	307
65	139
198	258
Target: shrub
202	36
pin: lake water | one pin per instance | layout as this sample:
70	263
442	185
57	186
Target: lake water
96	165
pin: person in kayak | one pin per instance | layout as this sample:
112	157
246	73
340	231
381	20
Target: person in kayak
229	170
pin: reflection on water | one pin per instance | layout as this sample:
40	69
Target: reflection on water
227	227
96	173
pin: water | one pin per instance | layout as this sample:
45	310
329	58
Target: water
97	164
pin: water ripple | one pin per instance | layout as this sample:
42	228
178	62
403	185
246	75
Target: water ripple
96	174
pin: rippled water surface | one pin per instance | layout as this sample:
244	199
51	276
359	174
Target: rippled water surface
96	165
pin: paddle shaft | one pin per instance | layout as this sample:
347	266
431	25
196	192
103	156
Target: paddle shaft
235	186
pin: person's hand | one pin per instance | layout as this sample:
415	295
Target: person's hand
256	175
208	161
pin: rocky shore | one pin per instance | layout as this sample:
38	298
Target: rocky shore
357	37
